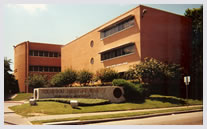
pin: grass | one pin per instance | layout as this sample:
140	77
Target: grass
115	115
81	101
155	101
22	96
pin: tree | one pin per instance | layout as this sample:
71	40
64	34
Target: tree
10	83
158	75
37	81
196	14
84	77
65	78
107	75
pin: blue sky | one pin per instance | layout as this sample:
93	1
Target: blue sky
62	23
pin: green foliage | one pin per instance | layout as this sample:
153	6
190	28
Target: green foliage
37	81
64	78
151	70
196	14
106	75
84	77
154	101
10	83
132	91
81	101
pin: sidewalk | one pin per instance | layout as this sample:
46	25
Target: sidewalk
10	117
49	117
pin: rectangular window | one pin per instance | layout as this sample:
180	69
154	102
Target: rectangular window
124	50
35	68
46	54
50	54
35	53
55	54
46	69
40	53
31	52
119	27
55	69
40	68
31	68
50	69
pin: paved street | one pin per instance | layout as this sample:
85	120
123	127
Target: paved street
195	118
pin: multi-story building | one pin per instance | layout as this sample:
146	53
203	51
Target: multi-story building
129	38
123	41
35	58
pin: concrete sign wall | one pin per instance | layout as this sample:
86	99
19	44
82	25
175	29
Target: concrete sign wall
112	93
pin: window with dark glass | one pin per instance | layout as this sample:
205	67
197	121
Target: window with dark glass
40	68
118	27
35	53
46	54
124	50
50	54
45	69
55	69
31	68
55	54
31	52
35	68
50	69
40	53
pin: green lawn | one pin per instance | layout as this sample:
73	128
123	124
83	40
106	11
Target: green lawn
22	96
81	101
95	117
155	101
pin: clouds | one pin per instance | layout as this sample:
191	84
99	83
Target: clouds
30	8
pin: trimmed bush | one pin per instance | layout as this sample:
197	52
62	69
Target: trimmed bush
84	77
107	75
64	78
37	81
132	91
57	80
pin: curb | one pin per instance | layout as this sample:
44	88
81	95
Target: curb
20	102
117	119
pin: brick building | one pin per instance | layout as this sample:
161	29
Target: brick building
121	42
35	58
129	38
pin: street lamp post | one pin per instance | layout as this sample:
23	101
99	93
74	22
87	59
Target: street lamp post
187	81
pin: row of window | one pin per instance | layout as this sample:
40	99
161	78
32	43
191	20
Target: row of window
44	69
44	53
118	52
119	27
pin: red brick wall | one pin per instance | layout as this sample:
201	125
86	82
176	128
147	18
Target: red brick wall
165	36
22	61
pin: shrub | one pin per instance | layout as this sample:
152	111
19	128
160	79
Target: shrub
132	91
107	75
151	70
84	77
57	80
157	74
37	81
64	78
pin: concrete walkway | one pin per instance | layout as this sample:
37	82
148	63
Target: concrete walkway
48	117
11	118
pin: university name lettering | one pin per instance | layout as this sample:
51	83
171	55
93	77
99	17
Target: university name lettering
71	91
